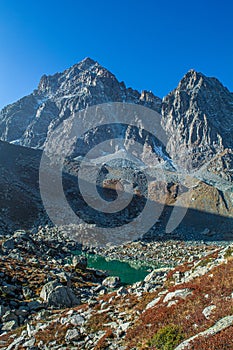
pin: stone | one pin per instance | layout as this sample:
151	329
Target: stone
15	343
111	281
220	325
29	343
8	326
125	326
21	312
27	292
57	295
9	316
180	293
172	302
79	262
72	335
35	305
155	274
153	303
30	330
9	244
208	311
77	320
3	310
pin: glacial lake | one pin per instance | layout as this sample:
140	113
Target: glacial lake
127	273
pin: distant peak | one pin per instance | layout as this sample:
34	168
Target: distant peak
192	77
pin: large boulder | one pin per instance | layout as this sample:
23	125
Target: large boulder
58	295
9	325
72	335
157	275
111	282
179	293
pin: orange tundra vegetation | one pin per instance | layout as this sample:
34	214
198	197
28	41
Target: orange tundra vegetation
214	288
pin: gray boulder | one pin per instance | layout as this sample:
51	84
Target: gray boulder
111	281
180	293
8	326
72	335
59	296
207	312
157	275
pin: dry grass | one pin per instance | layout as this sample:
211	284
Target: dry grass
188	313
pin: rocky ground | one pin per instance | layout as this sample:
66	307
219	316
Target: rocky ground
50	299
164	253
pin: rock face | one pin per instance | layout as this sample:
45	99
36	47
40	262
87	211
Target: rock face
198	117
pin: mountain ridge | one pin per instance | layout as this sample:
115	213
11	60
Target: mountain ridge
197	115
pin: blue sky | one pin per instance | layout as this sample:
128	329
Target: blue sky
149	44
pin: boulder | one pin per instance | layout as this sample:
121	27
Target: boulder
208	311
156	275
59	296
180	293
111	281
9	316
152	303
72	335
8	326
122	291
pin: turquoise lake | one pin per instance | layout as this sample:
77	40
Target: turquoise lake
126	272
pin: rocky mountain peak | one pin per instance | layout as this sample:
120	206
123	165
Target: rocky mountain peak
194	83
82	72
192	79
198	118
86	83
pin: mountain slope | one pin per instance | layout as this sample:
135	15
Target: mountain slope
20	202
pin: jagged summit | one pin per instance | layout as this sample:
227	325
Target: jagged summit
194	81
85	64
198	118
68	79
86	83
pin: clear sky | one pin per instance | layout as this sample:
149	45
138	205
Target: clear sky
147	43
